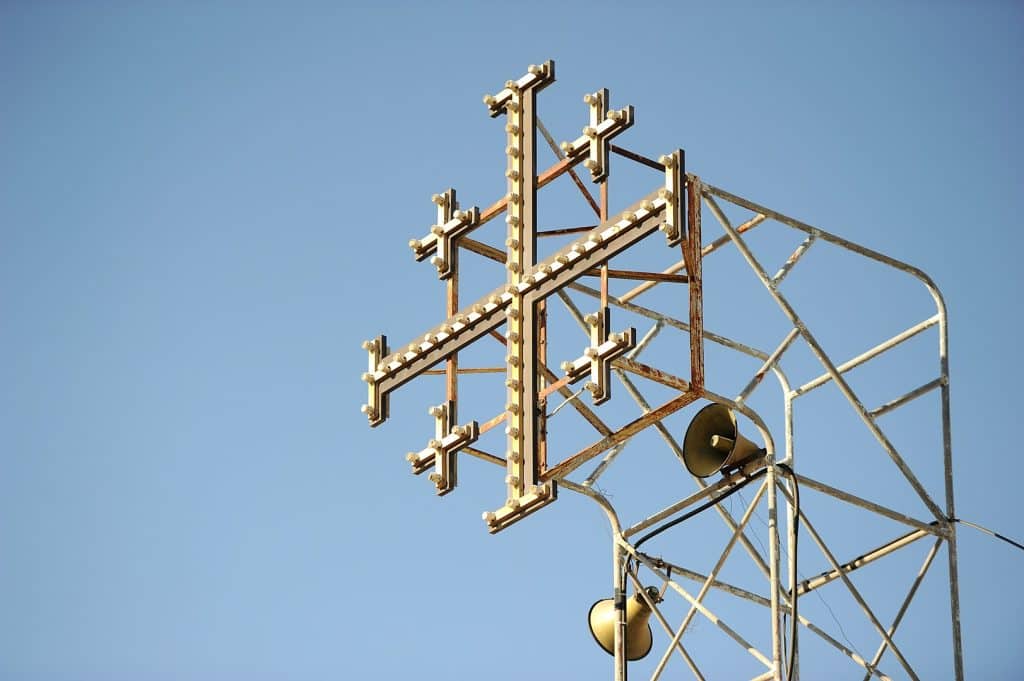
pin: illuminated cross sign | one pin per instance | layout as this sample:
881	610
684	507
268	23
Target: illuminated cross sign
518	303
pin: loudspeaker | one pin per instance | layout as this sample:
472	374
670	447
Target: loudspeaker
602	619
712	442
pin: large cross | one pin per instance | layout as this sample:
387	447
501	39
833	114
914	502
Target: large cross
518	303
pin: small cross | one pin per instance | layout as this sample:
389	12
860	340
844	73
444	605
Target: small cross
451	224
596	139
604	347
440	452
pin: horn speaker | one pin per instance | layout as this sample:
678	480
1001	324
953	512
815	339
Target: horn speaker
603	618
713	443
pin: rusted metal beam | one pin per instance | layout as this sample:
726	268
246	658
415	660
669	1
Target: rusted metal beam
493	423
544	178
629	430
710	248
651	373
693	255
483	249
584	411
484	456
468	370
633	156
572	172
639	275
562	231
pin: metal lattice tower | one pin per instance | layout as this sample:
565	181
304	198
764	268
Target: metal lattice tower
515	314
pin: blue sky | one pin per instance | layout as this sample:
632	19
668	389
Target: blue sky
204	210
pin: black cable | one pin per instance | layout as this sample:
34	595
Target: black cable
700	509
988	531
796	526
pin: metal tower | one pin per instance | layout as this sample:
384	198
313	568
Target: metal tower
517	319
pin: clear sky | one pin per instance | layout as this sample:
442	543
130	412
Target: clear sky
204	209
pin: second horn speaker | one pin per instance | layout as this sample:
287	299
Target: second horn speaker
713	442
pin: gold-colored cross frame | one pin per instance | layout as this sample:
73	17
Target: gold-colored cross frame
519	304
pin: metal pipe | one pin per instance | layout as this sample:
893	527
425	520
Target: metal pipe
843	386
656	611
768	364
731	589
860	561
678	452
939	530
792	260
903	399
618	571
603	466
870	354
560	470
856	595
723	240
710	578
906	602
761	600
670	321
773	565
714	619
724	483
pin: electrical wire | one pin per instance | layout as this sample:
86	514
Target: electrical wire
700	509
567	401
989	532
796	526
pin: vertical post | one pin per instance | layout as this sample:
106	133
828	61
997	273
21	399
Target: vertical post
947	446
524	452
604	268
773	568
619	566
542	361
452	365
792	563
692	254
525	335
